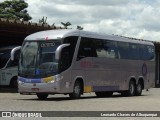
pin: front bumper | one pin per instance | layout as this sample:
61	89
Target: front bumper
38	88
40	85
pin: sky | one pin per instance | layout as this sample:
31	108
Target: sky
131	18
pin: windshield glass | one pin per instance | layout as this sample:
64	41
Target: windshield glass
38	58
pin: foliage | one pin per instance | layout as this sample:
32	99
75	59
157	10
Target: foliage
43	21
79	27
66	24
14	9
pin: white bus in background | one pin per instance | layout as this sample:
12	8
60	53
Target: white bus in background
75	62
8	68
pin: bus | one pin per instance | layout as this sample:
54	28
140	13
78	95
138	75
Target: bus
8	68
74	62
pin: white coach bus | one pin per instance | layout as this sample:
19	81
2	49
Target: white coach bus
8	68
75	62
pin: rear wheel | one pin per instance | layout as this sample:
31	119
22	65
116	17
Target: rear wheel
77	91
104	94
139	88
42	96
131	90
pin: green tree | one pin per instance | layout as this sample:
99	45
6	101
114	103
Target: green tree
43	21
66	24
14	9
79	27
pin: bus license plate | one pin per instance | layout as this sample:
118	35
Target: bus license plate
35	89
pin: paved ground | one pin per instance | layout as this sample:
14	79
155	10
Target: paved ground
149	101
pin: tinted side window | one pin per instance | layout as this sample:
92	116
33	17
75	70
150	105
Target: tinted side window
72	41
15	61
101	51
151	52
123	50
4	57
67	53
106	49
134	51
111	48
86	48
147	52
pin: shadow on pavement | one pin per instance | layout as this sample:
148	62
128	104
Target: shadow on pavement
6	89
67	98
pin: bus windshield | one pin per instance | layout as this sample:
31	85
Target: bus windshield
37	58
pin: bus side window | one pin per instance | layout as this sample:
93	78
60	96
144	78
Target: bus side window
100	49
151	52
134	51
86	49
15	61
111	48
146	52
106	49
68	52
65	60
4	57
123	48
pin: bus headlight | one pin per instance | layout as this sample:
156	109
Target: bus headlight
58	77
48	79
20	82
52	79
55	78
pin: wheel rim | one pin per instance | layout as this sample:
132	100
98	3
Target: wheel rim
131	89
139	88
77	89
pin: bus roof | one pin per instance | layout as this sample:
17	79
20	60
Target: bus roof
52	34
62	33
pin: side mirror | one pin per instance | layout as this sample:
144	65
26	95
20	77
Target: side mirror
59	50
13	51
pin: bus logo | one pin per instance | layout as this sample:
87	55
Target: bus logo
144	69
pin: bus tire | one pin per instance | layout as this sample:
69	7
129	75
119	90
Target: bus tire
131	90
14	83
139	89
77	90
104	94
42	96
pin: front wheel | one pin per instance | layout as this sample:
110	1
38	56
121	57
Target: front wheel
42	96
14	83
77	91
